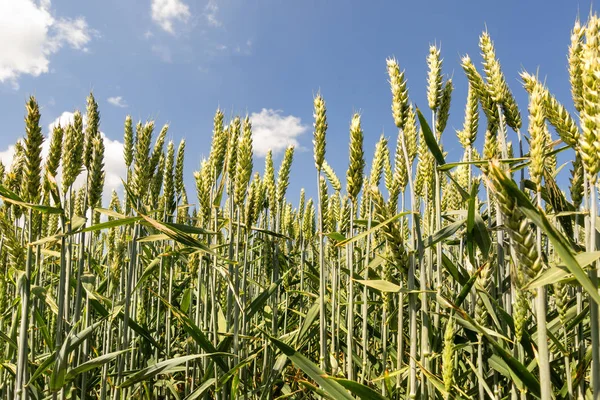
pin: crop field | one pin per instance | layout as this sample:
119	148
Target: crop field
424	275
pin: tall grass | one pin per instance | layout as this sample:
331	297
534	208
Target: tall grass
428	275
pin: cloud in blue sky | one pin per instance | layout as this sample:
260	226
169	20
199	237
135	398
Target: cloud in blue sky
271	130
31	33
166	13
117	101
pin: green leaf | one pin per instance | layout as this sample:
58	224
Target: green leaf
430	139
72	341
196	333
338	237
111	224
373	229
158	368
202	389
330	386
380	284
443	233
94	363
11	197
358	389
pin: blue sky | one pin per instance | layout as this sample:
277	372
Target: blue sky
176	61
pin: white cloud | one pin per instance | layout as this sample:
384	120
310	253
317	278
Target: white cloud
6	156
30	34
272	130
210	13
166	12
114	166
117	101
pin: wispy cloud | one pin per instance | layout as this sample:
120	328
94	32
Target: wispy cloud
271	130
31	34
168	12
117	101
211	12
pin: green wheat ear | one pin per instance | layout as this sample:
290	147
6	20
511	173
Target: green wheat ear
444	109
32	165
244	163
128	142
557	114
72	152
434	78
468	134
575	65
354	176
399	93
97	174
320	126
589	141
537	132
91	130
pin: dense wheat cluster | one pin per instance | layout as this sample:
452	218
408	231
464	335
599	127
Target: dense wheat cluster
416	277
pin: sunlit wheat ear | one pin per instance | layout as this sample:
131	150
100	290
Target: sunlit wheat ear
434	78
557	115
411	135
444	109
485	282
528	264
168	180
141	171
520	310
390	230
234	129
32	166
393	183
157	182
354	175
575	64
283	176
158	150
468	134
378	162
97	175
244	163
72	152
320	126
537	143
589	141
424	158
54	156
269	181
333	212
308	222
483	94
179	165
128	142
203	195
324	197
448	354
399	93
576	181
218	149
331	176
92	129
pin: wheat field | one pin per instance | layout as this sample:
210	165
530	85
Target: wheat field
417	277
